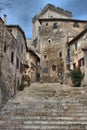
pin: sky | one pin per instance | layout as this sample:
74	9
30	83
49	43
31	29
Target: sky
21	12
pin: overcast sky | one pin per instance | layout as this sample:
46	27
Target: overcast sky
21	12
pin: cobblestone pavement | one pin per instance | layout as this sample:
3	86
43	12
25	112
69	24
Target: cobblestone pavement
46	107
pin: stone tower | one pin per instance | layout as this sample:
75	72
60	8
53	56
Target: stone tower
53	28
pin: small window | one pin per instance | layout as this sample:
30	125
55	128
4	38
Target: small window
76	25
55	25
49	41
5	48
45	56
46	24
45	70
81	62
74	66
53	67
39	28
60	54
17	63
12	57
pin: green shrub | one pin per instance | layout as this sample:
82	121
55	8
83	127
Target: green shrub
76	77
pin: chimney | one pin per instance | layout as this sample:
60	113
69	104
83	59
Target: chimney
5	19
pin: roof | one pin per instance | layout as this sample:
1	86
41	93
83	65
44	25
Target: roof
78	36
57	9
17	26
61	19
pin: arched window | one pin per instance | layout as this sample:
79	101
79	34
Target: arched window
49	41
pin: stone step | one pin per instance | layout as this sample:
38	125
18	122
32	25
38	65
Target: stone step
44	103
45	126
45	118
46	107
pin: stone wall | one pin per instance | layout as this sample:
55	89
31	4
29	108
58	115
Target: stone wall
78	57
12	57
53	42
49	12
19	35
7	68
32	62
85	57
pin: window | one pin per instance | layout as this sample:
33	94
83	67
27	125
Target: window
45	70
35	42
46	24
17	63
45	56
5	48
60	54
49	41
81	62
76	25
12	57
53	67
74	66
55	26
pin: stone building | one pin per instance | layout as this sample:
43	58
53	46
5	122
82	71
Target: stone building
32	66
78	53
7	59
53	28
12	57
21	46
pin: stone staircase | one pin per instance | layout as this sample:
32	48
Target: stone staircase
46	107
